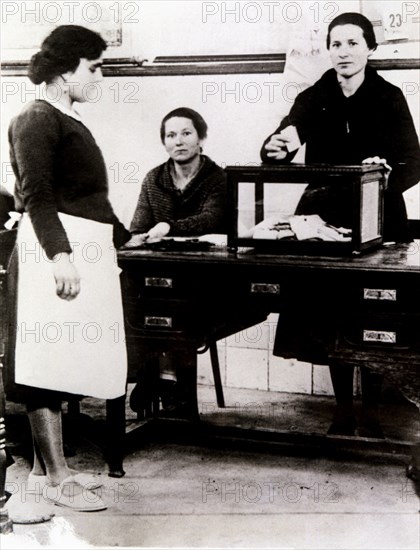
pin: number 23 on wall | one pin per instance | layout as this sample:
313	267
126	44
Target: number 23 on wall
394	21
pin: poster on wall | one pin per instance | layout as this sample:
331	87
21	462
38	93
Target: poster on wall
394	21
33	21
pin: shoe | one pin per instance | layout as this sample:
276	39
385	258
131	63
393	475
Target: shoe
137	399
369	423
371	429
168	391
36	484
70	494
182	411
412	472
342	425
24	510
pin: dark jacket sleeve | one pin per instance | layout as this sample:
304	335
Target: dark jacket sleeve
34	137
212	215
120	234
143	219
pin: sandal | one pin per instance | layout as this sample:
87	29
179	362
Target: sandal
26	511
70	494
36	484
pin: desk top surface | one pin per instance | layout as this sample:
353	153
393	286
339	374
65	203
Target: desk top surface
391	258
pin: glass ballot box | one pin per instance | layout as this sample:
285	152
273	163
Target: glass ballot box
306	209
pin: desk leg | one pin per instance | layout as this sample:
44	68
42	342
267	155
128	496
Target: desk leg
6	524
115	427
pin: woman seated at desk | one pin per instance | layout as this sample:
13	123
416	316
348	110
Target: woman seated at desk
351	115
185	196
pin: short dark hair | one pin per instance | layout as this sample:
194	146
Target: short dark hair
62	50
185	112
353	18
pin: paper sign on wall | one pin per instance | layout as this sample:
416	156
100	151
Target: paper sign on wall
394	21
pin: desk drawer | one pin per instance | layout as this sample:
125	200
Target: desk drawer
160	315
158	283
384	332
384	295
258	288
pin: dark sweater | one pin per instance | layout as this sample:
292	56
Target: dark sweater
199	209
58	168
346	130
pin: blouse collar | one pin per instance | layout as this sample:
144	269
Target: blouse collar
65	110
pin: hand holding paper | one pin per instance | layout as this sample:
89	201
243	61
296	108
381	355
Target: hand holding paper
285	142
291	138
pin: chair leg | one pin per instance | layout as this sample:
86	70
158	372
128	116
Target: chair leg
216	374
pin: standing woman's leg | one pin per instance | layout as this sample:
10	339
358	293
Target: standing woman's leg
371	396
46	426
63	488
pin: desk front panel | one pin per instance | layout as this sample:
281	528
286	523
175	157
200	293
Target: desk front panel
373	310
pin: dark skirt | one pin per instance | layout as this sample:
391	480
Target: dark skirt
306	331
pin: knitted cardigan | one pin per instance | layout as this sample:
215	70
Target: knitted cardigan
199	209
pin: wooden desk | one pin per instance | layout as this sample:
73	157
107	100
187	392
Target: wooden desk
175	300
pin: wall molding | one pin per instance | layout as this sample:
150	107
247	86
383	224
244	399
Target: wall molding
204	65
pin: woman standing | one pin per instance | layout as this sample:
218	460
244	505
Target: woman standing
68	306
351	115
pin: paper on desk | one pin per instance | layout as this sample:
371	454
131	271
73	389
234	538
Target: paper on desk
291	135
213	238
218	239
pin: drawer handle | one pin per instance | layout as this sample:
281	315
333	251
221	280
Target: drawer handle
158	321
389	294
160	282
265	288
382	336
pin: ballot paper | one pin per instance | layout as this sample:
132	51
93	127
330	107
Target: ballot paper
306	227
314	227
291	135
273	228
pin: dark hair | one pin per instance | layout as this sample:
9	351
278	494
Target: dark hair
62	50
353	18
185	112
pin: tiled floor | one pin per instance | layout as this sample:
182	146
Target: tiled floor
227	494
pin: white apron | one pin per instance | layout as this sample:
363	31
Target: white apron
75	346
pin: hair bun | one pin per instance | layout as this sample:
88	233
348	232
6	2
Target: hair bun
38	68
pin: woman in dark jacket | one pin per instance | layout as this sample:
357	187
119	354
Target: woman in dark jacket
351	115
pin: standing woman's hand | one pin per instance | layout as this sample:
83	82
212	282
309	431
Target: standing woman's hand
276	147
67	279
376	160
